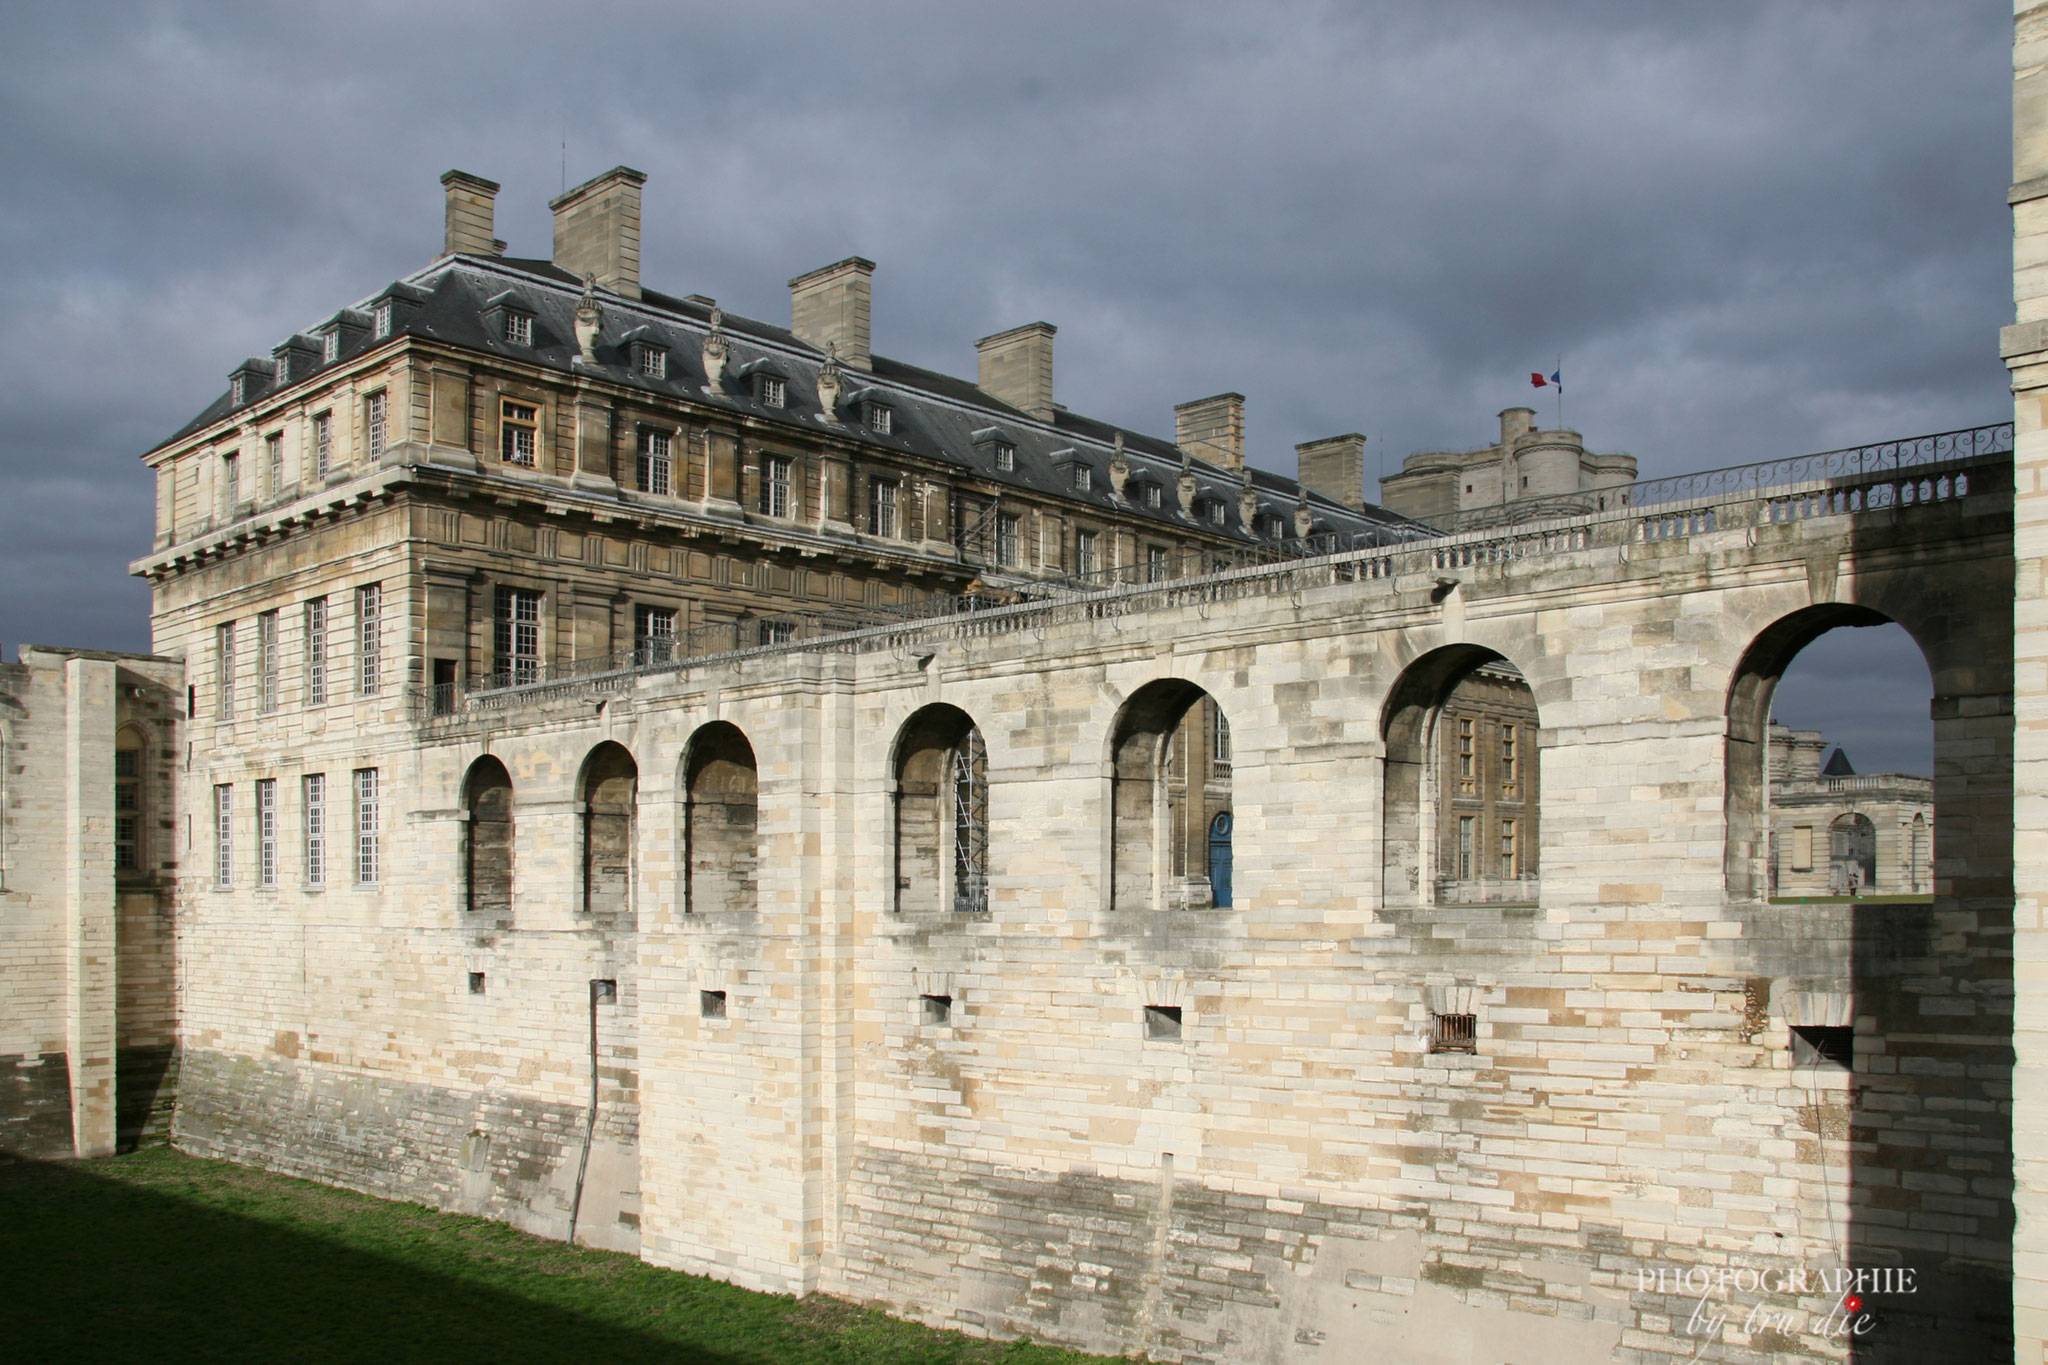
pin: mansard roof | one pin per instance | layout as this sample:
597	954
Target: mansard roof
937	415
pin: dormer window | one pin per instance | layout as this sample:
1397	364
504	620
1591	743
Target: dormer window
519	328
650	360
380	319
281	369
1081	476
881	418
1006	456
770	391
238	388
330	347
1212	512
1152	496
999	449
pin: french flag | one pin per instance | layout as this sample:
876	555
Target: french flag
1556	380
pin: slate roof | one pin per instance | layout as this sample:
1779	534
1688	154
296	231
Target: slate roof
936	415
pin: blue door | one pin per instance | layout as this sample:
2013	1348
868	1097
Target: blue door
1219	858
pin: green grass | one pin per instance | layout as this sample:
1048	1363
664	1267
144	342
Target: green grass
159	1256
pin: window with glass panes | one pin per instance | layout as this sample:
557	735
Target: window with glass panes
518	433
314	795
1009	539
517	633
373	426
224	669
323	444
127	801
224	835
266	662
654	634
881	507
369	638
316	652
266	831
775	490
366	826
655	469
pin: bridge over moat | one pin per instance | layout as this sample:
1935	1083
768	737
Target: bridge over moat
1073	1100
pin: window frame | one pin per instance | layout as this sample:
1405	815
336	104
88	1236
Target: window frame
367	825
376	413
314	623
654	633
510	629
656	470
266	831
885	508
518	328
224	670
313	799
223	836
512	426
778	497
771	390
369	639
323	444
1010	540
268	663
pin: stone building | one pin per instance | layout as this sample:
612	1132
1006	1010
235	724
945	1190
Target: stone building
1528	472
1838	832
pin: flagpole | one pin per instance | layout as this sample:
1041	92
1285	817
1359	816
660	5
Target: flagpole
1558	371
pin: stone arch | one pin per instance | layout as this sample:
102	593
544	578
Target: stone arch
1852	854
1170	777
607	798
721	813
487	842
1461	812
1747	859
940	830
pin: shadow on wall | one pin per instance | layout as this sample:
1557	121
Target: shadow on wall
118	1270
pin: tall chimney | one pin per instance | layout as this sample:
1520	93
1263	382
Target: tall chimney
829	307
472	206
597	230
1334	467
1016	367
1212	429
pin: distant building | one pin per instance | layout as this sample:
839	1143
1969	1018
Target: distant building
1838	832
1527	471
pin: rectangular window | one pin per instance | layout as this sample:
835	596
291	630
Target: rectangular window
776	632
518	433
127	802
315	794
1453	1033
266	662
1155	564
775	485
224	669
1085	543
273	460
881	420
518	636
773	392
1510	860
881	507
519	329
369	638
654	461
1152	496
653	362
316	652
1466	760
1466	827
1219	736
1009	539
230	481
1215	513
224	836
323	444
366	826
1006	456
1081	477
266	831
654	635
380	320
1507	754
373	426
330	347
1802	848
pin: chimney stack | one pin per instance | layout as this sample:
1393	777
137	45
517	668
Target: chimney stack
1212	429
472	205
597	230
1334	467
1016	367
829	307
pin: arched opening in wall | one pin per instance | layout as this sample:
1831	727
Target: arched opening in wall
609	795
941	815
1462	782
1171	825
487	851
721	791
1830	761
130	823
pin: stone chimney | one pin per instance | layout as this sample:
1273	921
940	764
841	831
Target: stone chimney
1515	423
1016	367
472	207
1212	429
829	307
1334	467
597	230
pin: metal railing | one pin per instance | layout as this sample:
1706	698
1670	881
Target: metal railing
1224	574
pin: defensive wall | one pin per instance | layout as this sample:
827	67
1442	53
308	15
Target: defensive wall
1086	1115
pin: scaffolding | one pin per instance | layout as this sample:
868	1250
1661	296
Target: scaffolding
970	825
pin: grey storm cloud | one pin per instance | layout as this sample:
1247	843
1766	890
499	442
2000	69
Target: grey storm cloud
1748	229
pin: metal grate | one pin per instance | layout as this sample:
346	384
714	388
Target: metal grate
1453	1033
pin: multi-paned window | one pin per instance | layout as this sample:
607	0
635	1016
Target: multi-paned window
266	831
230	481
1467	826
316	652
366	826
373	425
775	472
314	793
1213	512
655	470
224	670
652	360
224	835
323	444
266	662
1510	860
1507	754
1467	756
518	432
654	634
881	418
380	320
1085	549
1155	563
127	801
273	459
1080	477
1219	736
369	638
1009	539
518	635
770	390
881	507
1006	456
330	347
775	632
519	328
1152	496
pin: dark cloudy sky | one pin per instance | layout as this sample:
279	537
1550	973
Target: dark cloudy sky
1749	229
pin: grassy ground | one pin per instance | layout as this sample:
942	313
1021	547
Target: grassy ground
159	1256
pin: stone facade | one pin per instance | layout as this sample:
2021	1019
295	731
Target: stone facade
1546	472
1837	833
